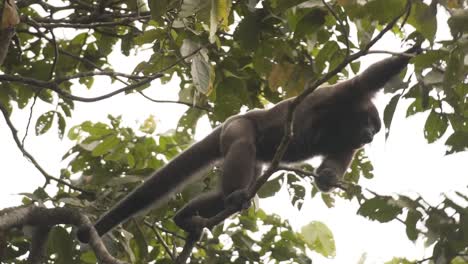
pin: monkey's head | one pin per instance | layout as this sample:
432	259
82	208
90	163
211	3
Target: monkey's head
362	125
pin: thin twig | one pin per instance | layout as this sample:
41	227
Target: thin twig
175	102
29	118
56	55
46	175
54	85
160	239
343	27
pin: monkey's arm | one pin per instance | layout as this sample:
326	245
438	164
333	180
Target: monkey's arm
332	169
379	73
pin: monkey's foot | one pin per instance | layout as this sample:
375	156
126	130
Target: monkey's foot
238	200
193	225
327	180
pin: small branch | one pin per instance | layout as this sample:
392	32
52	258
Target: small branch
56	55
99	73
175	102
161	240
54	85
124	22
46	175
410	55
190	243
29	118
297	171
44	218
343	27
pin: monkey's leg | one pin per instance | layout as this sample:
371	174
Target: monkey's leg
332	169
238	148
240	165
192	217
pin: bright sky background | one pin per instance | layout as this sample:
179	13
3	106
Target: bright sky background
405	163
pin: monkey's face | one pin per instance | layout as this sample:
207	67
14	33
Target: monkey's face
367	125
360	126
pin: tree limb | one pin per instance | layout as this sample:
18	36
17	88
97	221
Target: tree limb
44	218
54	85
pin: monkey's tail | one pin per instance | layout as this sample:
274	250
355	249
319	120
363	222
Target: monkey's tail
173	176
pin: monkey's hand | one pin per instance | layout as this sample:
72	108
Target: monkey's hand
327	179
238	199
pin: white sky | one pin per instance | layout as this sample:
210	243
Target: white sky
404	164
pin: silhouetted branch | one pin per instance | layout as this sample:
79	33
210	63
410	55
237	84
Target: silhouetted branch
42	219
54	84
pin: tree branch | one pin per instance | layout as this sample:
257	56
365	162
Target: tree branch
44	218
54	85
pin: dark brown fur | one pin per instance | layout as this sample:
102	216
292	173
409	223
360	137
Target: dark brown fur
333	122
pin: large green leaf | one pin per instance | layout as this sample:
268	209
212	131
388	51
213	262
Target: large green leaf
319	238
380	208
436	125
44	122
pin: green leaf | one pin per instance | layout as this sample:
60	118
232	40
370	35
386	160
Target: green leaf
61	125
423	18
319	238
385	10
389	112
270	188
380	208
399	261
60	243
435	127
44	122
106	145
411	220
328	200
454	73
248	32
97	129
130	160
190	7
458	22
310	23
326	53
158	8
231	95
457	142
355	66
88	257
428	58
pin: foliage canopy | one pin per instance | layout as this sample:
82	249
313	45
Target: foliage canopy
227	57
